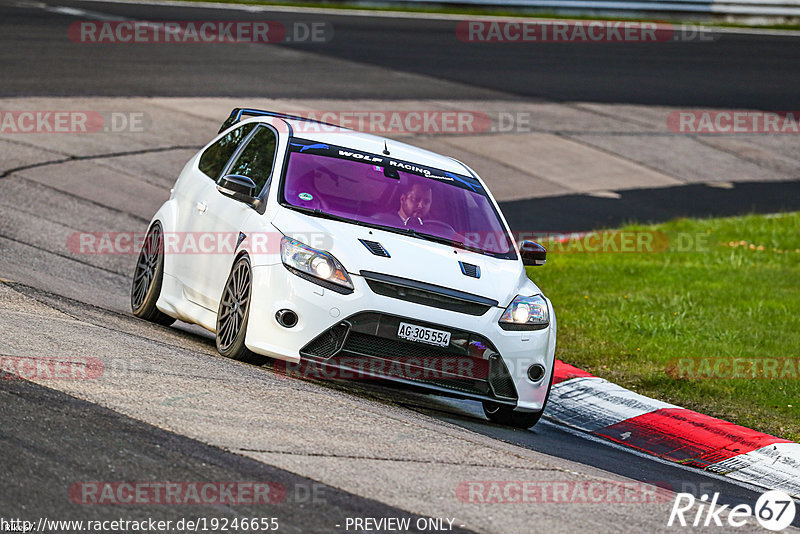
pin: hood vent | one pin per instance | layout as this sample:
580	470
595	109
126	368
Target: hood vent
470	270
375	247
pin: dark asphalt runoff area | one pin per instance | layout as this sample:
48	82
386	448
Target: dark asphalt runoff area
50	441
732	70
570	213
47	436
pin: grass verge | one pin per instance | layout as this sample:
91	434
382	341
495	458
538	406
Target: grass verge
723	289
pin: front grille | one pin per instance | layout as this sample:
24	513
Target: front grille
427	294
426	298
367	343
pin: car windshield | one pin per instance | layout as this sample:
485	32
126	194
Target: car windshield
399	195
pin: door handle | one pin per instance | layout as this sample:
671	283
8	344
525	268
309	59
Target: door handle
201	206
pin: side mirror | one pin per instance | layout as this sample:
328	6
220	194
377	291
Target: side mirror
533	253
239	188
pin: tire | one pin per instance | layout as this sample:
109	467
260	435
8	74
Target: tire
148	277
505	415
234	312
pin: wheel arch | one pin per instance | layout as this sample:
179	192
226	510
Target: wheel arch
167	217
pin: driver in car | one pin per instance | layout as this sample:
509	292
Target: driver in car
415	203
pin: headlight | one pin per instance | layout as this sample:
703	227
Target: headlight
526	313
315	265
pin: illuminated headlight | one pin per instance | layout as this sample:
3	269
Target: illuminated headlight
322	267
317	265
526	313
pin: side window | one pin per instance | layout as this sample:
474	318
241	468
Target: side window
255	161
213	160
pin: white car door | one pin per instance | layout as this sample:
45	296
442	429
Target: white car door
221	223
192	193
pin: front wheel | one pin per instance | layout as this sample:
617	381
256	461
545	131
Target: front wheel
233	313
147	278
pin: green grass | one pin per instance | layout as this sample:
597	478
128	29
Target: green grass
624	316
455	9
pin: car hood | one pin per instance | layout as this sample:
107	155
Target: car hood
409	257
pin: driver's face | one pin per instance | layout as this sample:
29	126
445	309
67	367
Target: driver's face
417	202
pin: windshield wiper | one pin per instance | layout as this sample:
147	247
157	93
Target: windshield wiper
436	239
446	241
325	215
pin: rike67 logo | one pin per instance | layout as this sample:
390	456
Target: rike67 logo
774	510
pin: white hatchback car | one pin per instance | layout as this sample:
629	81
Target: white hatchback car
307	242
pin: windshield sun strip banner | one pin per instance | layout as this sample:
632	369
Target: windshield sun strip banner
305	146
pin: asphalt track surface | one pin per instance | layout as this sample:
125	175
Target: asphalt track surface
55	440
136	451
735	71
569	213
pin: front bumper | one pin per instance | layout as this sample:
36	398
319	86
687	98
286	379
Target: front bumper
368	324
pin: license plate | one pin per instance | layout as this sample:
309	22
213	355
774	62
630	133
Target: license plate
421	334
